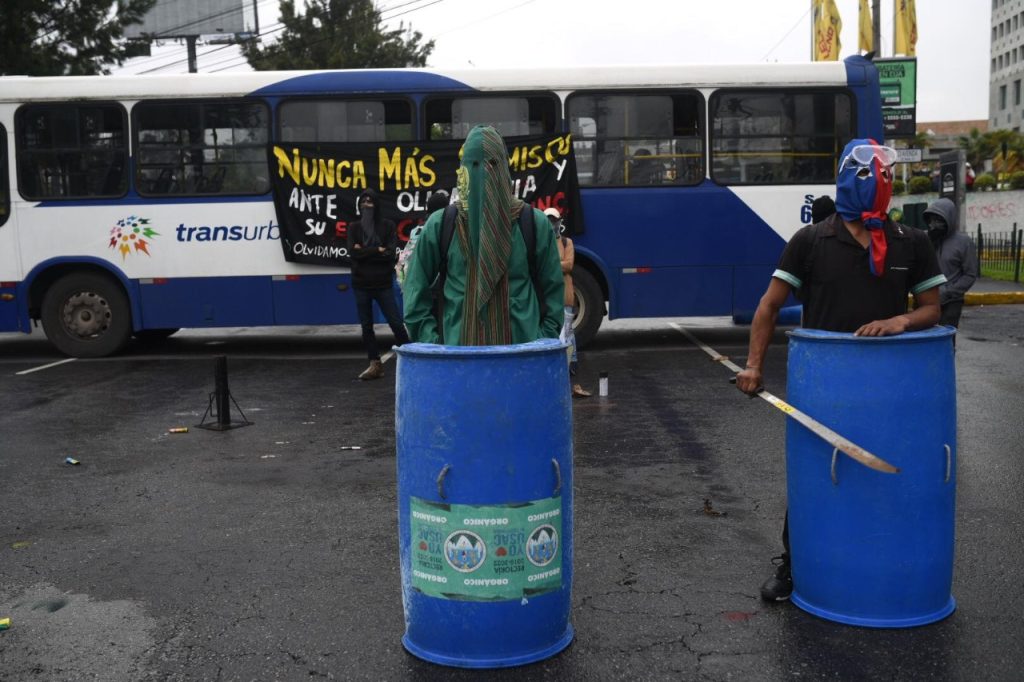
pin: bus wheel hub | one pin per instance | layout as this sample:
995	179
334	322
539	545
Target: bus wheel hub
86	315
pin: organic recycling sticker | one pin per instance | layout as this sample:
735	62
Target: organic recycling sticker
486	553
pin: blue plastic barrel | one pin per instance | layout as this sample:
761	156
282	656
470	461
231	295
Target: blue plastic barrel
870	548
484	438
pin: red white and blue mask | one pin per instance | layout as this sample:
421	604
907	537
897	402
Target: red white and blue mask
863	191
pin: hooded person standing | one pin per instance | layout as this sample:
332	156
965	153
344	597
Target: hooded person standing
489	297
854	271
958	259
372	246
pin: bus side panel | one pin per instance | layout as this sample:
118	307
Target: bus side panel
9	309
206	302
671	292
749	285
691	239
314	299
10	274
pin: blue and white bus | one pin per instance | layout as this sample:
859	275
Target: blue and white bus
138	205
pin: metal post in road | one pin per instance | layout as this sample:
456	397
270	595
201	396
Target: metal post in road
1016	243
981	249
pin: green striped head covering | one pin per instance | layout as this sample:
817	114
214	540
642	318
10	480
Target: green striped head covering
485	224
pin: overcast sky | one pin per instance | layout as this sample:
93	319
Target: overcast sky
952	50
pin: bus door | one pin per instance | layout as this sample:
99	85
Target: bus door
9	269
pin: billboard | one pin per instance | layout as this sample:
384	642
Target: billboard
897	81
177	18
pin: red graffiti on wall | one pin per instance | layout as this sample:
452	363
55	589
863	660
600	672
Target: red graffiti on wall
999	209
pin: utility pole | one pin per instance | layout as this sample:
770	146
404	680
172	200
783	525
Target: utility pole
814	3
193	67
876	26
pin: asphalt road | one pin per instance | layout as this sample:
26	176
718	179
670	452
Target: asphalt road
268	552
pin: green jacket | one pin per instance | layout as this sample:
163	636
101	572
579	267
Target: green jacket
524	309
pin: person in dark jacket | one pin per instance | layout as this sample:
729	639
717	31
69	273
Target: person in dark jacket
822	208
958	258
372	246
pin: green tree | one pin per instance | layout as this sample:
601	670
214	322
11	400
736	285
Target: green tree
978	147
68	38
920	141
338	34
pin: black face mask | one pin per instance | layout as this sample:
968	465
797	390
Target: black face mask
937	228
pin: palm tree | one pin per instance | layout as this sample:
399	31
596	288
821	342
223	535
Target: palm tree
978	146
920	141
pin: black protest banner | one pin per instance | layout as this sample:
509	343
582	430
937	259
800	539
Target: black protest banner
316	187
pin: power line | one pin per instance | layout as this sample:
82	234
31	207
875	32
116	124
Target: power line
482	19
408	11
798	22
394	7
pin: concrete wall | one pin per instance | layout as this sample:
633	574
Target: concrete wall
996	211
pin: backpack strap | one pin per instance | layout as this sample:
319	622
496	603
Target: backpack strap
528	228
437	287
529	231
447	231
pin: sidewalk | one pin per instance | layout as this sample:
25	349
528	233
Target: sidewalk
994	292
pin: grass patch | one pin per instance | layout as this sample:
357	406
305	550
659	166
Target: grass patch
1002	272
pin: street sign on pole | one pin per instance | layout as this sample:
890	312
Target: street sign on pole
897	83
908	156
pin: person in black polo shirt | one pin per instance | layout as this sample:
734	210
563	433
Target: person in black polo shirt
853	272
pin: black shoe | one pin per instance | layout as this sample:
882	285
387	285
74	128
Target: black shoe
780	585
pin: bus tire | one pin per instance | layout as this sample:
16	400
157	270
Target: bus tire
589	306
154	335
86	315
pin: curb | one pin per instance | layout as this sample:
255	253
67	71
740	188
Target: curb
994	298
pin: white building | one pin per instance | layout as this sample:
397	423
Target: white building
1006	101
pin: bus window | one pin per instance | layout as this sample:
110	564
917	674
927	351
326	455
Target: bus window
5	194
452	118
345	121
778	137
626	139
201	148
68	151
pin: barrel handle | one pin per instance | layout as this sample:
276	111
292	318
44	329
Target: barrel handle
440	481
949	461
558	476
835	456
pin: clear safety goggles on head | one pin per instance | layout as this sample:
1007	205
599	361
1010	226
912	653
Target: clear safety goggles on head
862	156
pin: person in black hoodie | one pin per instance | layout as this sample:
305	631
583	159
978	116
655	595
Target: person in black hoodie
958	259
372	246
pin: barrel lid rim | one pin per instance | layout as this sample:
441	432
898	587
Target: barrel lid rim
936	332
437	350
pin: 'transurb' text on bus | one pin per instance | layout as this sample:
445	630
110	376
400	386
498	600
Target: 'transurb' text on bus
316	186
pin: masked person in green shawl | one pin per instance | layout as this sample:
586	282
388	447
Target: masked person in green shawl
488	298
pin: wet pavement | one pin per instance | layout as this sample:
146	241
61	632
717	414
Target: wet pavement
268	552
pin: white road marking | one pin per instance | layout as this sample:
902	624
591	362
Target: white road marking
52	364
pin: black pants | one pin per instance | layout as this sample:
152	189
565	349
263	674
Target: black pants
951	313
385	299
785	534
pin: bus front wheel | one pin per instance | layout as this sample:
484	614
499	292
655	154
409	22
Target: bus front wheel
589	306
86	315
